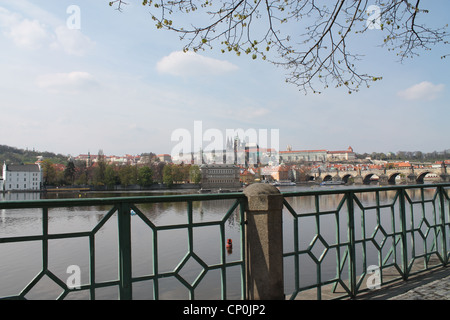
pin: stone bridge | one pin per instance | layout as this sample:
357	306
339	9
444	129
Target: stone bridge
384	177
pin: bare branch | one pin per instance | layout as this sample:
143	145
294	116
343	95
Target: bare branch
264	29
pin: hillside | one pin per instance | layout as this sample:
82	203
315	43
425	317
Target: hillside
14	155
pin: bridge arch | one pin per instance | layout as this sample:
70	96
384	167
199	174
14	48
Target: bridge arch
328	177
420	178
368	178
392	177
346	177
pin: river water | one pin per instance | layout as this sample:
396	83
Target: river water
21	262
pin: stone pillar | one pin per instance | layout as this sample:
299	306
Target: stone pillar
445	177
383	180
264	242
358	180
411	178
337	177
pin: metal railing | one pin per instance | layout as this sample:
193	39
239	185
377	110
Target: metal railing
124	208
402	232
407	237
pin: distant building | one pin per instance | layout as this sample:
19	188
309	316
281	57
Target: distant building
164	158
26	177
249	176
341	155
303	155
275	173
220	176
117	160
237	152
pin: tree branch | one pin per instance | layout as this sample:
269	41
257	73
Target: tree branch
255	27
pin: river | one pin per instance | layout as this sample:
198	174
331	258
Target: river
21	262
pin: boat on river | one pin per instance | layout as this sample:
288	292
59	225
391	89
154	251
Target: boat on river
332	183
219	190
284	183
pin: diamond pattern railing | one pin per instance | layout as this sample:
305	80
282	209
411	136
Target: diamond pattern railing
124	209
384	229
334	239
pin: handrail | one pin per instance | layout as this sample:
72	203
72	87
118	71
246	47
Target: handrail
400	257
123	207
362	189
409	229
55	203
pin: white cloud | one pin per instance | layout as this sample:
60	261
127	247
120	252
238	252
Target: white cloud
72	82
23	32
33	34
73	42
179	63
422	91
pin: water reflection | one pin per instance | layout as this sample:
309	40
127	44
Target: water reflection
24	260
172	246
376	232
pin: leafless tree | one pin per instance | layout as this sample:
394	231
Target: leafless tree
310	38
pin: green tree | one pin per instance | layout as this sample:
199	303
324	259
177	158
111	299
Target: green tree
168	178
195	174
158	171
145	176
418	155
81	174
69	172
49	172
178	173
111	177
128	175
82	178
99	169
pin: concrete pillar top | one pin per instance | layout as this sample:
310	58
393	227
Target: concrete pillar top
257	189
263	197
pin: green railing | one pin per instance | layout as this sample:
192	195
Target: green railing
125	208
407	236
340	238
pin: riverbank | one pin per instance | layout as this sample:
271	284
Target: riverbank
120	188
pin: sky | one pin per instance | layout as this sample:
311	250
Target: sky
112	81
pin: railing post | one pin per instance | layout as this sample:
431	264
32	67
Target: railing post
444	235
124	221
352	245
401	197
264	243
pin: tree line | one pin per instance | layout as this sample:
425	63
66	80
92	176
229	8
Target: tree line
407	155
110	175
12	155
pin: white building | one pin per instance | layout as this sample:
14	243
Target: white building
303	155
26	177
